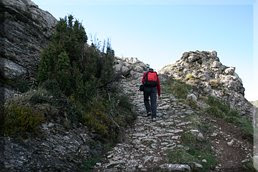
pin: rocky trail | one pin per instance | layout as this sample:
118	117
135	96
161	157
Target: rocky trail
146	143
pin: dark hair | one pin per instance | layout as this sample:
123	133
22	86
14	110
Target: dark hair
150	69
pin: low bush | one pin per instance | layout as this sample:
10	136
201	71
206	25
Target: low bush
96	118
108	117
20	119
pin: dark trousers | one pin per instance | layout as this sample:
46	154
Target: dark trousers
152	93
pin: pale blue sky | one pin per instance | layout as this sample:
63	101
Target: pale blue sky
158	32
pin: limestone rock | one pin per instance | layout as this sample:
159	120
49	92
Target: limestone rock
210	77
230	71
230	143
130	67
10	69
26	30
52	153
191	97
216	64
175	167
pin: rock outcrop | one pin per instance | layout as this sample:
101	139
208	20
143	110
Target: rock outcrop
204	70
130	67
25	30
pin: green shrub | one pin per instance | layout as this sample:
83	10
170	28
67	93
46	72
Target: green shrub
64	73
108	117
125	111
64	52
20	119
79	69
80	79
90	163
52	86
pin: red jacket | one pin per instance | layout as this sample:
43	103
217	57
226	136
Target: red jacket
158	85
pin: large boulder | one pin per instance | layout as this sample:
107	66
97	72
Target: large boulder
130	67
25	30
204	70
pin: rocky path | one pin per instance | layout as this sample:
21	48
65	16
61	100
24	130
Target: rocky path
146	143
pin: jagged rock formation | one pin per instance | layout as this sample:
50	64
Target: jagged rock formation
205	71
25	30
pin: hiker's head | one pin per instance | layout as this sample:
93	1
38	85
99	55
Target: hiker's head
150	69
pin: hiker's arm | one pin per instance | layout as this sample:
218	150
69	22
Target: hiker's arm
143	78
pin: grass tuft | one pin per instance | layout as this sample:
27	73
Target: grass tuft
196	151
222	110
178	88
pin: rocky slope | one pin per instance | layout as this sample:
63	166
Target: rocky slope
25	30
147	145
205	71
56	150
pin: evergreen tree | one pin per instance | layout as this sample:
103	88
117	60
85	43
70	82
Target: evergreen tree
68	59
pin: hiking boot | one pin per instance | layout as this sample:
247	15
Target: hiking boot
154	119
148	114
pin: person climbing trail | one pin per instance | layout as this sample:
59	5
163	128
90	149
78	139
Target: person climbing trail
151	83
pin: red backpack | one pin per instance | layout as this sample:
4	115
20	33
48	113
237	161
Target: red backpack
151	79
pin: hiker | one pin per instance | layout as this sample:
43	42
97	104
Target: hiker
151	83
